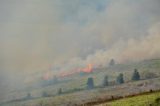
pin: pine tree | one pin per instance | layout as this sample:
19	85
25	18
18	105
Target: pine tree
90	83
105	81
44	94
120	79
55	79
136	75
112	62
59	91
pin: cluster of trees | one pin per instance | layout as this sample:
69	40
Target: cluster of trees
90	82
119	79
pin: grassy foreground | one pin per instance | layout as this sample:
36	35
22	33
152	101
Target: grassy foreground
152	99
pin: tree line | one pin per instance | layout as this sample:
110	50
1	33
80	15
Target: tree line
90	83
119	79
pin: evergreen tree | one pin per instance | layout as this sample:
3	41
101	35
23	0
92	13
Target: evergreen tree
44	94
90	83
55	79
120	79
136	75
59	91
105	81
112	62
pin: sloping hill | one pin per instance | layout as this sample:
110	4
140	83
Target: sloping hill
75	85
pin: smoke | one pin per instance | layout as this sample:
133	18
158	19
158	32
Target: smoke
74	33
128	31
131	50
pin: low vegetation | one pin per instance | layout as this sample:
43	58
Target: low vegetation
112	81
152	99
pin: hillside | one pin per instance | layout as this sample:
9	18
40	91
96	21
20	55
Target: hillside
74	87
152	99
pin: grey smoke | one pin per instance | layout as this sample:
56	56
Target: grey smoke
73	33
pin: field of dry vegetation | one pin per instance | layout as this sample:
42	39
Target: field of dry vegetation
74	90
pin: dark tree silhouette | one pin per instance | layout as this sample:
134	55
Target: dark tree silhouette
90	83
55	79
59	91
136	75
105	81
44	94
120	79
112	62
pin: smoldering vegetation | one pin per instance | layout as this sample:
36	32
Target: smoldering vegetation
88	87
51	48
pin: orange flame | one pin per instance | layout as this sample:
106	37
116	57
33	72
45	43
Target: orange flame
88	69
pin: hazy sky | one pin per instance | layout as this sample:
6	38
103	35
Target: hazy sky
35	34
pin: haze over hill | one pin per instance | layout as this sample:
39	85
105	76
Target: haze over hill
68	34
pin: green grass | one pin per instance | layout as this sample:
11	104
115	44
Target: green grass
144	100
